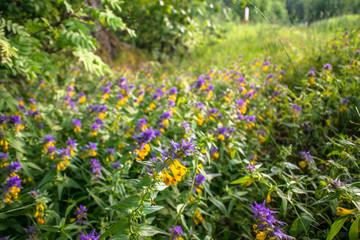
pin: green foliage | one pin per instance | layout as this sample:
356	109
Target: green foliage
259	156
314	10
35	36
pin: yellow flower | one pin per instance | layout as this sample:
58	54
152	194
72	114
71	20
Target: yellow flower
268	198
261	236
5	144
77	129
92	152
221	137
177	170
102	116
302	164
122	101
342	211
82	99
152	106
248	183
167	178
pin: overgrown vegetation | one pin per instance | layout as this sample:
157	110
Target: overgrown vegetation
234	141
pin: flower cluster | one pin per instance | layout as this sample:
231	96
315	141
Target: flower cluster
266	223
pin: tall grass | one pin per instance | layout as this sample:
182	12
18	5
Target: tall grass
258	40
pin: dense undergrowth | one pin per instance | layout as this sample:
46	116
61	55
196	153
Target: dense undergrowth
183	154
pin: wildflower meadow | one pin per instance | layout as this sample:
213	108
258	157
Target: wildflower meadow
243	146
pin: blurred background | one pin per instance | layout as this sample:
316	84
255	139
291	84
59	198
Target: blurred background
151	32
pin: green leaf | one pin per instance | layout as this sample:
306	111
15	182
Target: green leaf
219	205
148	230
337	225
354	230
117	228
129	203
47	178
179	207
150	209
18	145
233	152
241	180
145	181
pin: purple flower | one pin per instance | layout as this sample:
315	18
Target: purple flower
267	222
71	143
296	107
345	100
15	119
49	139
96	167
120	96
276	93
250	118
106	90
81	215
212	111
93	146
155	96
213	150
30	231
177	232
241	80
250	167
34	193
51	149
200	82
90	236
145	137
173	91
311	73
187	147
160	91
77	123
200	105
110	150
222	130
261	132
186	126
13	167
11	182
3	119
4	156
240	102
327	66
140	124
199	179
171	103
99	121
307	156
95	127
116	165
176	146
165	115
